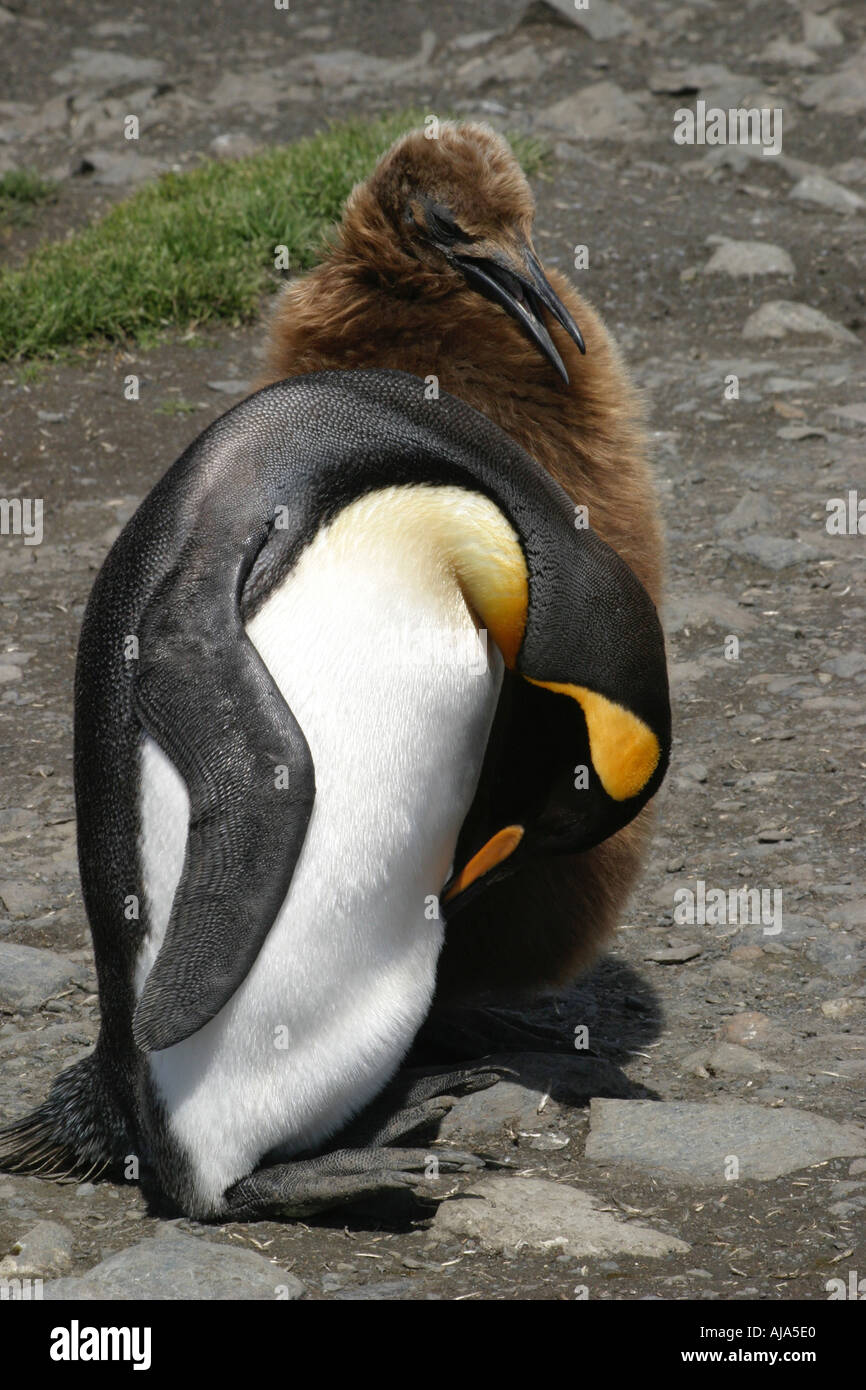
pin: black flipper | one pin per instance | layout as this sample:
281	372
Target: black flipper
251	794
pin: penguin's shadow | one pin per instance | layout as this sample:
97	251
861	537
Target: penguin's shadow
610	1013
571	1045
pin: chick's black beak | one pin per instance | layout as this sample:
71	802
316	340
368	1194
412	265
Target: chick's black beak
496	859
523	291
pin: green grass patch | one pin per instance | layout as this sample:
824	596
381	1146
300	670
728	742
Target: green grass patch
195	247
21	190
29	373
176	406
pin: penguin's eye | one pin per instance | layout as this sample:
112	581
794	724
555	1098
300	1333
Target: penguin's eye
441	225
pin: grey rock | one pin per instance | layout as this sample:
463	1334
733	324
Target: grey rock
560	1079
29	976
749	258
464	43
717	85
751	512
103	68
796	927
848	1210
316	33
694	772
690	1141
842	1008
347	67
44	1251
820	31
778	317
524	65
850	170
387	1291
19	896
707	610
839	953
232	386
775	552
852	914
600	112
817	188
177	1266
116	29
745	159
601	19
789	55
847	665
853	1068
261	89
100	118
845	1189
686	672
114	170
843	92
856	412
822	703
781	385
798	432
727	1059
27	122
673	955
538	1216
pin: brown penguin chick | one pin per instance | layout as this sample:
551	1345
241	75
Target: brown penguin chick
441	228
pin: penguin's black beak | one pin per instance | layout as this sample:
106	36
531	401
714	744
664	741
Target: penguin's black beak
524	292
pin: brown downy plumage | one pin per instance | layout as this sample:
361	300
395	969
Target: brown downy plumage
435	219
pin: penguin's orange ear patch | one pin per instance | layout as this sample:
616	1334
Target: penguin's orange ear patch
624	750
496	851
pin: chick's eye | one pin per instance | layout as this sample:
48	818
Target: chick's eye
442	226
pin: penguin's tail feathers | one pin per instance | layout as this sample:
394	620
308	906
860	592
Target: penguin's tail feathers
77	1133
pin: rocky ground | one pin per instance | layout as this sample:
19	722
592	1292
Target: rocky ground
723	1155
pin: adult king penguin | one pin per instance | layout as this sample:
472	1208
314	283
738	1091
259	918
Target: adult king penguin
433	270
274	773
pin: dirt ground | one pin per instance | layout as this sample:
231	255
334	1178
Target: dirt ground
766	786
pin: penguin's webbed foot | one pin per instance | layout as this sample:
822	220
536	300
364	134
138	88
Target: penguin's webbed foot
417	1099
367	1170
341	1178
